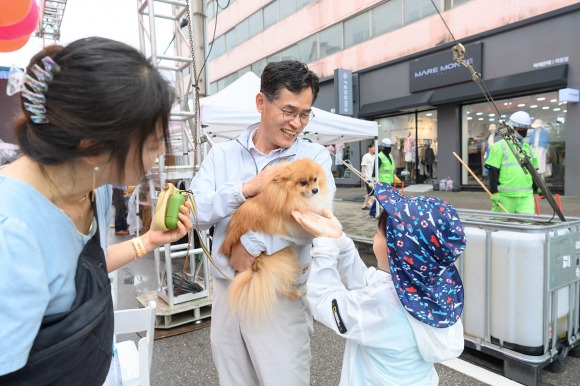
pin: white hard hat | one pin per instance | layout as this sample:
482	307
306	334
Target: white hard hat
520	119
387	142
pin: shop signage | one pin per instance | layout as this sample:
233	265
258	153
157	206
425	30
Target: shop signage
343	91
569	95
441	70
551	62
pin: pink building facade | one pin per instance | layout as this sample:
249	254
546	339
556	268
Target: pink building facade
524	48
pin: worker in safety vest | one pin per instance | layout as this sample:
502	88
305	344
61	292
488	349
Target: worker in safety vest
508	183
386	169
386	162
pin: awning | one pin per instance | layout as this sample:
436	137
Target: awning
393	105
544	79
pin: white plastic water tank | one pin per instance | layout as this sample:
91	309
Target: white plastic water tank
472	269
517	289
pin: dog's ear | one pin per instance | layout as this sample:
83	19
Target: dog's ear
283	173
281	177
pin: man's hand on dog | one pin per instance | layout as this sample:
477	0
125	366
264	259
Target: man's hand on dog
252	187
326	225
241	259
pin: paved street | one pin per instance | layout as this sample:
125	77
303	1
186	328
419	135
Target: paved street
185	359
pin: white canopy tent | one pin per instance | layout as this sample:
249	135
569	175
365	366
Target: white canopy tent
226	114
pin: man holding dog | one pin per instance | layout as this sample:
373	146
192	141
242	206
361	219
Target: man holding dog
276	352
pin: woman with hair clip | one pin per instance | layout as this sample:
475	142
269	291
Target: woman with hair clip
94	113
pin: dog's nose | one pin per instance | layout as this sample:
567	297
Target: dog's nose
315	190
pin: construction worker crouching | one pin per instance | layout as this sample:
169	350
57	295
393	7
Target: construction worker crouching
509	184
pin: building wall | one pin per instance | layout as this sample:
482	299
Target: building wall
517	36
305	22
508	50
512	50
468	19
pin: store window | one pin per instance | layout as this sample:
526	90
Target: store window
356	30
414	10
331	40
255	23
339	152
259	66
211	5
287	8
218	47
291	53
307	49
480	124
274	58
414	149
271	14
387	17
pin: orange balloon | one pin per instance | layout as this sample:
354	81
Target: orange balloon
23	28
13	45
13	11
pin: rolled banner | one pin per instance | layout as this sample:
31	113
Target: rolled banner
14	11
13	45
23	28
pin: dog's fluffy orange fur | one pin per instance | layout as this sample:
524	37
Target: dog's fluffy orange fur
299	185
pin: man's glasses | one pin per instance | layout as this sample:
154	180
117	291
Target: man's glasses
289	116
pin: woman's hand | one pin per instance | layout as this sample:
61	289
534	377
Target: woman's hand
125	252
156	237
325	225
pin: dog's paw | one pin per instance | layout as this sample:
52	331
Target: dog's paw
257	265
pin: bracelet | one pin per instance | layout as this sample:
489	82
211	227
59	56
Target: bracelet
138	247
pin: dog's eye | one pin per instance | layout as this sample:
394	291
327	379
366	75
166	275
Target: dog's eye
315	179
303	182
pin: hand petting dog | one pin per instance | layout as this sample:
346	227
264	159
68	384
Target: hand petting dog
325	225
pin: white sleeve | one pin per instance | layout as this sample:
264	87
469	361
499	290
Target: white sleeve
350	313
214	203
256	243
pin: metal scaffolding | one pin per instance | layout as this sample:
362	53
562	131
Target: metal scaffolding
49	24
186	21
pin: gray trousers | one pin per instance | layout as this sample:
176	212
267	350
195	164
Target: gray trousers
272	353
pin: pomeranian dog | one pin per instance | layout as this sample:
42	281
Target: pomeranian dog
299	185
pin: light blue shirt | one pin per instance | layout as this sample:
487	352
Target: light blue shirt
39	250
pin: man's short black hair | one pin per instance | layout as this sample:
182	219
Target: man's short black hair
288	74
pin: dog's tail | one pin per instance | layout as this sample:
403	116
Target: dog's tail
253	294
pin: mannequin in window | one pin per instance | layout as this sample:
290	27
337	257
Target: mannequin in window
539	141
492	138
398	155
409	150
429	160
